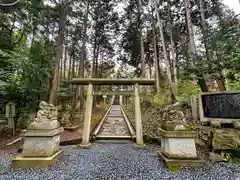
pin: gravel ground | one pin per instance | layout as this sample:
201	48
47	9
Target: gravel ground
117	162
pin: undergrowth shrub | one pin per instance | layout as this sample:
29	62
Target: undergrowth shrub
234	85
186	89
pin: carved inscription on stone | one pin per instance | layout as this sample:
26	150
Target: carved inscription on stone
221	105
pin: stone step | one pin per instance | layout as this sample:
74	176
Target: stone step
115	141
71	128
3	121
3	117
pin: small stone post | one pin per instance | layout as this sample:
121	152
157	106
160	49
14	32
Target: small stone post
138	115
87	117
121	97
10	114
104	101
194	107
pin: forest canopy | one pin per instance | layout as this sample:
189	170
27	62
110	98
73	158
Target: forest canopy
186	45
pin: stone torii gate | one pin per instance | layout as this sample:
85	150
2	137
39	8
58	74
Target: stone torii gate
89	102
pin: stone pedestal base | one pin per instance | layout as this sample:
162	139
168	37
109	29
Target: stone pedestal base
178	144
41	143
40	146
40	149
35	162
180	162
179	149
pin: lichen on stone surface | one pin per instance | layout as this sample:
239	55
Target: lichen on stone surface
47	112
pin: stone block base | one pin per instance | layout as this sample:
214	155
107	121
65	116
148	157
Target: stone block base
40	146
41	143
35	162
174	162
179	147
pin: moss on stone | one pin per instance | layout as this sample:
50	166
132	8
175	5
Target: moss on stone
178	134
227	138
174	169
215	124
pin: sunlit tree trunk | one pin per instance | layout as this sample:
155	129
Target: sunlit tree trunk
156	60
143	63
76	91
59	49
65	61
69	67
171	85
193	51
74	88
172	50
83	55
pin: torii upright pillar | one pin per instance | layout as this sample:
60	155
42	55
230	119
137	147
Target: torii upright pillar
87	117
138	116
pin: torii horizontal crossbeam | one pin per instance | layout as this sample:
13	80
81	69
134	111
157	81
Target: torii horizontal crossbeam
124	93
99	81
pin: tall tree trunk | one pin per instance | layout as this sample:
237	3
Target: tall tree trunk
65	62
143	73
65	57
171	86
94	65
172	50
80	71
60	70
96	60
149	66
156	60
193	51
94	55
204	29
97	65
75	87
73	64
83	56
76	93
69	67
59	49
220	78
177	66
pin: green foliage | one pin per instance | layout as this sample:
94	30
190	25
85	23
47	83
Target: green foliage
234	85
27	71
23	119
162	97
186	89
228	157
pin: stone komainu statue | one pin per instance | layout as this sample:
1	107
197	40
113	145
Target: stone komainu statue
46	117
